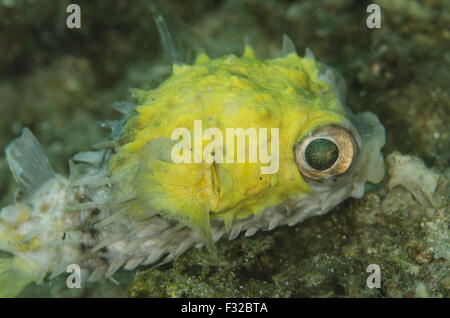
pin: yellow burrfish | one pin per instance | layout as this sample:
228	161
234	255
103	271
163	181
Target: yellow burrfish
220	147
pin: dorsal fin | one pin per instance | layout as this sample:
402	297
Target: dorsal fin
309	54
123	107
248	50
28	163
166	38
288	46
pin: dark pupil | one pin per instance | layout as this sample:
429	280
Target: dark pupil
321	153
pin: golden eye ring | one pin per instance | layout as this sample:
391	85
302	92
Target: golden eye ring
327	152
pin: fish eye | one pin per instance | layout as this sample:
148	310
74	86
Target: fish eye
327	152
321	153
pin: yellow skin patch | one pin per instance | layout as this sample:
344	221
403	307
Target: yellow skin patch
228	92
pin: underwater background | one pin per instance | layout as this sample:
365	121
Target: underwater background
59	82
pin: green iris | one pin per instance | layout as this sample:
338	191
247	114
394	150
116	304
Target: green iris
321	154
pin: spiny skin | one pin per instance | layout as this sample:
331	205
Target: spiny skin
132	205
228	92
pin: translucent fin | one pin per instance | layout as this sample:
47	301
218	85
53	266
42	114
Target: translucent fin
15	275
248	50
123	107
309	54
28	163
288	46
91	157
166	38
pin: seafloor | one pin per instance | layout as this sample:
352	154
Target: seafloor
59	83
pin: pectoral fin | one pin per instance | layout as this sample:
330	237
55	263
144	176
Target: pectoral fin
177	191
